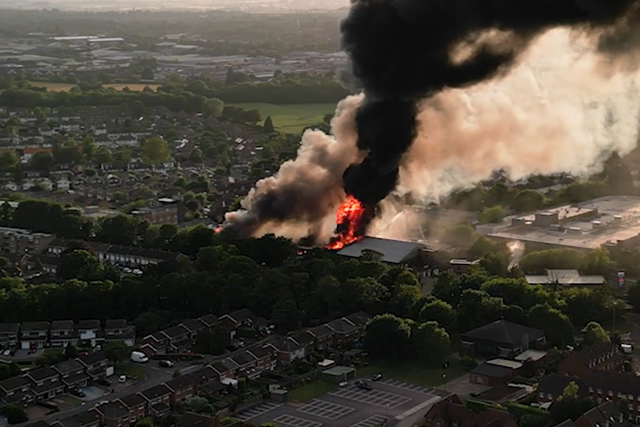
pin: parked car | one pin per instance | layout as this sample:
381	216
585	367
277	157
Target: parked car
363	385
122	379
166	364
32	350
376	377
7	352
104	381
77	392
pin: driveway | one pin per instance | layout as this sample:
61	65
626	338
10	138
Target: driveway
92	393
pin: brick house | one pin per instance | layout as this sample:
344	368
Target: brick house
194	326
304	339
502	339
246	364
158	400
552	386
95	365
606	414
597	357
34	335
90	418
136	404
72	374
182	388
323	337
452	412
264	359
286	350
63	333
344	332
114	414
118	330
9	333
225	368
158	342
242	318
360	319
89	331
178	339
45	383
15	390
207	380
210	321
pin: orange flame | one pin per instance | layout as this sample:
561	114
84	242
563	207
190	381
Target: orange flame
348	218
217	230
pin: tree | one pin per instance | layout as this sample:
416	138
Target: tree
147	74
8	161
103	155
15	414
116	351
528	201
387	337
196	155
598	262
79	264
569	405
70	351
212	107
594	333
286	315
491	215
460	236
555	324
439	311
430	343
41	161
268	125
633	295
155	150
148	323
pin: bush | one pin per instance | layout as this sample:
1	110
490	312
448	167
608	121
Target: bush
468	363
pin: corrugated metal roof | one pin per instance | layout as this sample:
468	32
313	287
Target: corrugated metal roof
393	251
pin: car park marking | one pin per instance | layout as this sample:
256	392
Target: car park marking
375	420
324	409
372	397
258	410
290	420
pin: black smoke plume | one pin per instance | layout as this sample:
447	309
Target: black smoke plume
402	51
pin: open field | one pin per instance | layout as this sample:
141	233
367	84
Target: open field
311	391
415	373
291	118
65	87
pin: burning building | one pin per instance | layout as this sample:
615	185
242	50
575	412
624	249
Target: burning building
451	92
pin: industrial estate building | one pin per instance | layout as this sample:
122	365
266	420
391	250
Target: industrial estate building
612	221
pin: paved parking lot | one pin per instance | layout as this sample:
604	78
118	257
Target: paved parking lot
256	411
376	420
406	386
290	420
375	397
324	409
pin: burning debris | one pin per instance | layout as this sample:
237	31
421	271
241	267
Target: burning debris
452	91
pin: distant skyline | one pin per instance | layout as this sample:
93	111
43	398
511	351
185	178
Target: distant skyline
257	6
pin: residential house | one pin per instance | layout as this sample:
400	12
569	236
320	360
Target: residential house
225	368
95	365
495	372
451	412
90	418
601	357
323	337
502	339
45	383
552	386
72	374
190	419
113	180
155	343
136	404
63	184
604	415
360	319
242	319
158	400
117	330
304	339
182	388
63	333
19	241
264	359
207	380
15	390
114	414
89	331
10	186
194	326
344	332
246	364
9	333
34	335
178	339
286	350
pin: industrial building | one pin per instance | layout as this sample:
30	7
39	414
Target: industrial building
612	221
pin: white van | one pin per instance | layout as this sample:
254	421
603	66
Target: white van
139	357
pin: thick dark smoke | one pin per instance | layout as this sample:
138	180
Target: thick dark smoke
402	51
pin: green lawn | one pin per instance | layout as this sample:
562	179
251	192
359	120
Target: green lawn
311	391
73	400
291	118
413	373
131	371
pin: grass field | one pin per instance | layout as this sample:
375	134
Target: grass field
131	371
414	373
291	118
311	391
65	87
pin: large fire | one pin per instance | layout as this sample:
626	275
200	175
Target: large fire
348	219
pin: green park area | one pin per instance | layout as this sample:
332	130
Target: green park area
291	118
415	373
311	390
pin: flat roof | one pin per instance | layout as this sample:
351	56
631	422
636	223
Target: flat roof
534	355
511	364
393	251
339	370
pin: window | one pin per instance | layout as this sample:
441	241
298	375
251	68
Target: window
590	389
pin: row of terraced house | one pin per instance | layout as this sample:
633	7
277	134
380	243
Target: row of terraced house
61	333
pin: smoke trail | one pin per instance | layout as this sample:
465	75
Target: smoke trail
517	249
